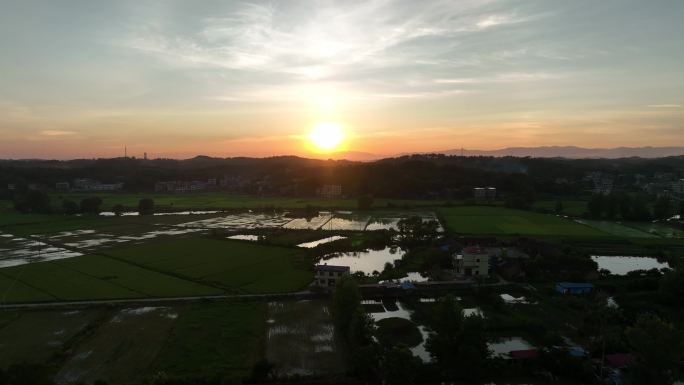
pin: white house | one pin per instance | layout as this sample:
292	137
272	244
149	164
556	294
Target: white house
472	262
328	275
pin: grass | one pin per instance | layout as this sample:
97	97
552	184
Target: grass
241	266
570	207
616	228
221	200
35	336
487	220
91	277
216	339
121	350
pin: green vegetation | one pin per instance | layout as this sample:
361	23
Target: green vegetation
395	330
487	220
234	265
616	229
217	340
37	336
91	277
221	200
568	207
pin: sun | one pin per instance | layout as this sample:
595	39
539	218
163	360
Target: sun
326	136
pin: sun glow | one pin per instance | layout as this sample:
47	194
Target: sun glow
326	136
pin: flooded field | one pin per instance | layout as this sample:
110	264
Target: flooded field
300	338
621	265
15	251
347	222
244	237
36	336
310	245
365	261
312	223
240	221
123	350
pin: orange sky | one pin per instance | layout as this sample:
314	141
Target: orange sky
232	79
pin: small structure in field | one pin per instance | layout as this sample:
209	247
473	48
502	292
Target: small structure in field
574	287
327	275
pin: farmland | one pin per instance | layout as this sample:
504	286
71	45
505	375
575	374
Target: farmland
234	265
486	220
219	200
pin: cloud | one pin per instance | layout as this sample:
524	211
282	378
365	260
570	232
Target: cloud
664	106
57	133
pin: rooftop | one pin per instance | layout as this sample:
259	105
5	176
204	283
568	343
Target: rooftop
341	269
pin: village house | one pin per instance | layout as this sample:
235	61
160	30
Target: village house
328	275
472	262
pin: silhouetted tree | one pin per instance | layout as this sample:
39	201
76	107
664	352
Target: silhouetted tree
118	209
661	209
146	206
69	207
399	366
91	205
365	202
658	348
559	207
33	202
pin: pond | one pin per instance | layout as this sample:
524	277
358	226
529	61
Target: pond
621	265
244	237
346	222
310	245
365	261
312	223
401	312
502	347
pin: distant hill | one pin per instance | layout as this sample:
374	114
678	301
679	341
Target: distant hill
573	152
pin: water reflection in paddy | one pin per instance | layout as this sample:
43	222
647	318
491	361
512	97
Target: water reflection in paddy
621	265
502	347
365	261
313	244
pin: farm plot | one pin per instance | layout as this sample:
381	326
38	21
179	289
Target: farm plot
123	350
657	229
35	336
616	228
231	264
300	338
240	222
505	221
16	251
91	277
214	339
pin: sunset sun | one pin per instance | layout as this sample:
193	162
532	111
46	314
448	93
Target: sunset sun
326	136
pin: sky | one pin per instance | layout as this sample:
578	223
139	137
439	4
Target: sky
83	79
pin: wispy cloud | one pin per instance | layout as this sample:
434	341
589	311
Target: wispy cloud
664	106
57	133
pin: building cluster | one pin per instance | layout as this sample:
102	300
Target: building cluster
185	186
86	184
484	193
